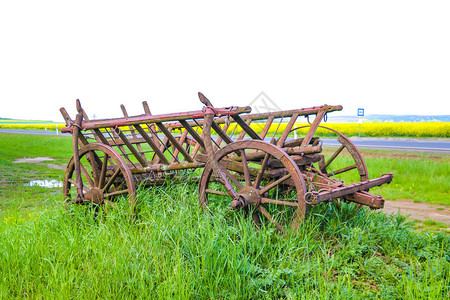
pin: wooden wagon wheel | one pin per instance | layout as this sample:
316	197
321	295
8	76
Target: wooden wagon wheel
105	176
348	166
258	185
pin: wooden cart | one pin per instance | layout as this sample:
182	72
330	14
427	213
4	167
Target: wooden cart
250	162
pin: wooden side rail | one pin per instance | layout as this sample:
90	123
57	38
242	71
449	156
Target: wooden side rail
142	119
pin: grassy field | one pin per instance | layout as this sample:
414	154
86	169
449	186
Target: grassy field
174	250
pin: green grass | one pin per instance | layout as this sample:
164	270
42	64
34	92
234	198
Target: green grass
430	225
174	250
420	177
13	176
417	176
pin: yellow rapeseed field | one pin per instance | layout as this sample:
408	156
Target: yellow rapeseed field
32	126
418	130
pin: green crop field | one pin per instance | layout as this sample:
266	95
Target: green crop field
174	250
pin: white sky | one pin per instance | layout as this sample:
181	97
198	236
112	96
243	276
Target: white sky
389	57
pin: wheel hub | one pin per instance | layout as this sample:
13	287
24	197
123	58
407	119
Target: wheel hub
252	195
94	195
247	195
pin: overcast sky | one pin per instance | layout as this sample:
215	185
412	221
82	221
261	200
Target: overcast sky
389	57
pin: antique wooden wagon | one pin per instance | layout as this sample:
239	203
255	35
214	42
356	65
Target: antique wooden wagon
249	162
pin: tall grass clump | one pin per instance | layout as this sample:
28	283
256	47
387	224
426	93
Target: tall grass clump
175	250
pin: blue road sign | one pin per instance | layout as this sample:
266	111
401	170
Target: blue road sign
360	112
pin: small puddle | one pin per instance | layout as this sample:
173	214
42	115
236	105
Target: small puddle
53	183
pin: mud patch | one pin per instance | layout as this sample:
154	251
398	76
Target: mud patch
32	160
418	211
55	166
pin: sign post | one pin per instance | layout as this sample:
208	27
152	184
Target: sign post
360	115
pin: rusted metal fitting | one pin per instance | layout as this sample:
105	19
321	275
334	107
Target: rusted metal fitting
239	202
391	175
117	130
76	125
311	197
210	110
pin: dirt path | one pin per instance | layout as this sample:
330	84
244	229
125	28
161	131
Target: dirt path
34	160
420	211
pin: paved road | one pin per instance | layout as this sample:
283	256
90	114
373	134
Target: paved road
395	144
415	145
41	132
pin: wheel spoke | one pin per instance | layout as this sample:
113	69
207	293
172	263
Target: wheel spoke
332	157
261	171
216	192
256	219
86	175
85	188
269	217
274	184
111	180
93	159
103	171
231	177
346	169
279	202
116	193
248	180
